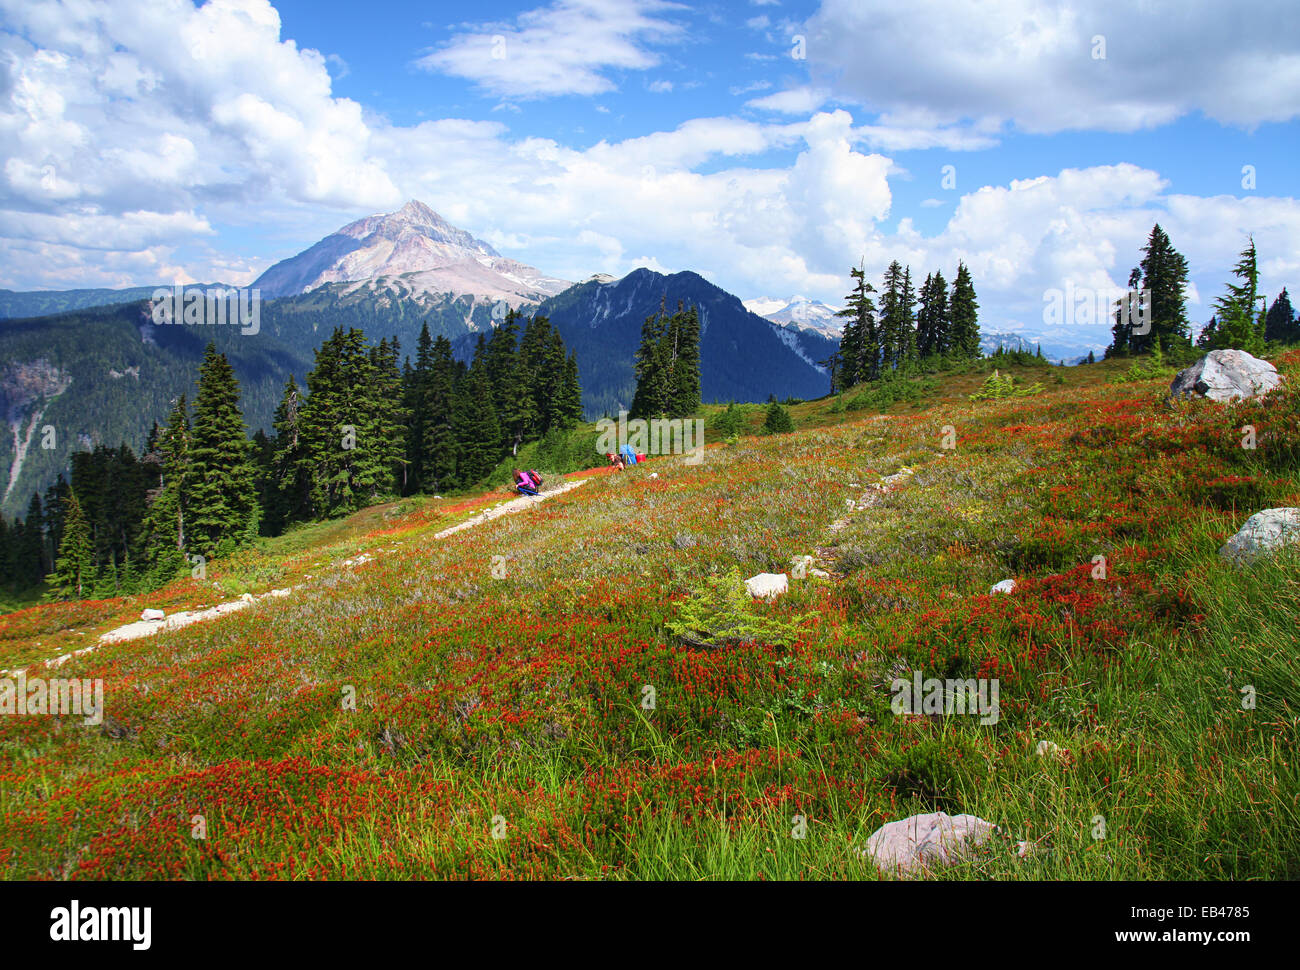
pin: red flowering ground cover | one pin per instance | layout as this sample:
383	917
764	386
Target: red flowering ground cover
511	703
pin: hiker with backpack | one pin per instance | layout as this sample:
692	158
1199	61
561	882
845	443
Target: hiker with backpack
527	483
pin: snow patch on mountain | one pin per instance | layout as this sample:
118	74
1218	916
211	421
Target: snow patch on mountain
790	337
410	252
798	311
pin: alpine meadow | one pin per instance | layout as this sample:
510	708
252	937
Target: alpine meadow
623	441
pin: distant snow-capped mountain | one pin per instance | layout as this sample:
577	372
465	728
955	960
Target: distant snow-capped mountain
1055	347
799	312
415	251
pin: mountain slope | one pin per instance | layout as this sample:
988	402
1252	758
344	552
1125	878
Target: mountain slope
103	376
742	356
39	303
416	249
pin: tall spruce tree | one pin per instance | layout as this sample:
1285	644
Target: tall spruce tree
932	317
165	521
685	391
1280	324
907	319
859	340
74	572
478	433
1164	276
570	410
1239	327
507	375
963	319
222	493
291	494
1121	335
652	373
439	445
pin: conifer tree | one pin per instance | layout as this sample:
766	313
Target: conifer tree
383	455
74	572
859	342
777	420
438	448
478	434
932	318
291	494
686	366
1280	323
571	393
1239	328
222	497
963	320
31	549
165	521
907	320
652	387
415	391
1164	276
507	377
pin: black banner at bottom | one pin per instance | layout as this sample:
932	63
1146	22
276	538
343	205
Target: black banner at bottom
138	920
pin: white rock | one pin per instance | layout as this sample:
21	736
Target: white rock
654	474
767	586
150	616
819	574
1263	533
901	475
246	597
1226	375
1006	586
922	842
801	566
278	593
1047	748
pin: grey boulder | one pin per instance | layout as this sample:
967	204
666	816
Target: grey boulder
1264	532
1226	375
914	845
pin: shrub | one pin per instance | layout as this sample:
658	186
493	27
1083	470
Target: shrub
778	420
997	387
722	614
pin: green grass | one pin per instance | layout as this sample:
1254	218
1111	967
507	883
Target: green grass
520	693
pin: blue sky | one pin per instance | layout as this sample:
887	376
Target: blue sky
768	145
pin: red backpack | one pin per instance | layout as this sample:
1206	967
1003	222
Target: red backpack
537	479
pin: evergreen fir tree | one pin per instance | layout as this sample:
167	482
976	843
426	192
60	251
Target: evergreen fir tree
74	572
652	386
932	317
686	367
438	449
963	321
222	498
478	434
859	341
907	320
1239	328
571	393
290	495
1164	276
778	420
506	375
1280	323
165	521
